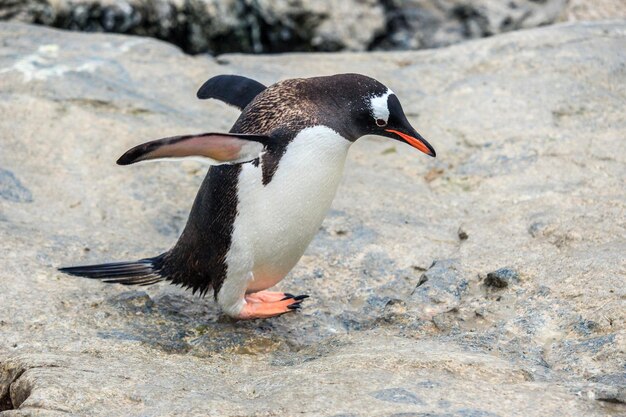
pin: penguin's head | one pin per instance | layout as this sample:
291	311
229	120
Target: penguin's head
367	107
385	117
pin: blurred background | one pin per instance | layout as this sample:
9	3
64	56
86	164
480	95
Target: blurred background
271	26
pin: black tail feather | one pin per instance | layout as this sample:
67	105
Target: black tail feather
142	272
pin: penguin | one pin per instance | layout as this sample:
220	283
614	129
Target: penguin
271	182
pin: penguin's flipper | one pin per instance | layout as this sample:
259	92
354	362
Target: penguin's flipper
235	90
217	148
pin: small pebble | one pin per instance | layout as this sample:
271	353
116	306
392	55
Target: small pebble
501	278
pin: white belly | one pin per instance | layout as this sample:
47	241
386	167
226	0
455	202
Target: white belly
276	222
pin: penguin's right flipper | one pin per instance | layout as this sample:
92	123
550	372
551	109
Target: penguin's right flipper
235	90
217	148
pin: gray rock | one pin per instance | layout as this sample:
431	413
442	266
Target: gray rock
526	126
396	395
577	10
11	189
465	412
133	301
610	388
609	393
439	289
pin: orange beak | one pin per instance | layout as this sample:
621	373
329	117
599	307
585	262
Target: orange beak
416	141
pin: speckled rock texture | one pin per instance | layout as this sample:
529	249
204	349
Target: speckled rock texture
527	189
221	26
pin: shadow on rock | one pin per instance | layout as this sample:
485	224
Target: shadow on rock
181	323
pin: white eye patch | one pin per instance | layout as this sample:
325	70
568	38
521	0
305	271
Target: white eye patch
379	107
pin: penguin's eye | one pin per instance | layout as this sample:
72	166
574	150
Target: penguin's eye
381	122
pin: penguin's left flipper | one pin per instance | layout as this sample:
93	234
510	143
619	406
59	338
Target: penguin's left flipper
217	148
235	90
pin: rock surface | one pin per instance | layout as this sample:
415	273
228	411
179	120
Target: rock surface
529	129
220	26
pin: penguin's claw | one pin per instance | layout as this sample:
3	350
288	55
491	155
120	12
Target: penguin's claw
300	297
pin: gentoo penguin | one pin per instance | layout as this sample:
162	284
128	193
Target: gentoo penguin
273	178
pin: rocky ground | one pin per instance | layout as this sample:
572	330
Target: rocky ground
221	26
486	282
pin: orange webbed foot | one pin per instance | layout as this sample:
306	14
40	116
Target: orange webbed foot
267	296
265	304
